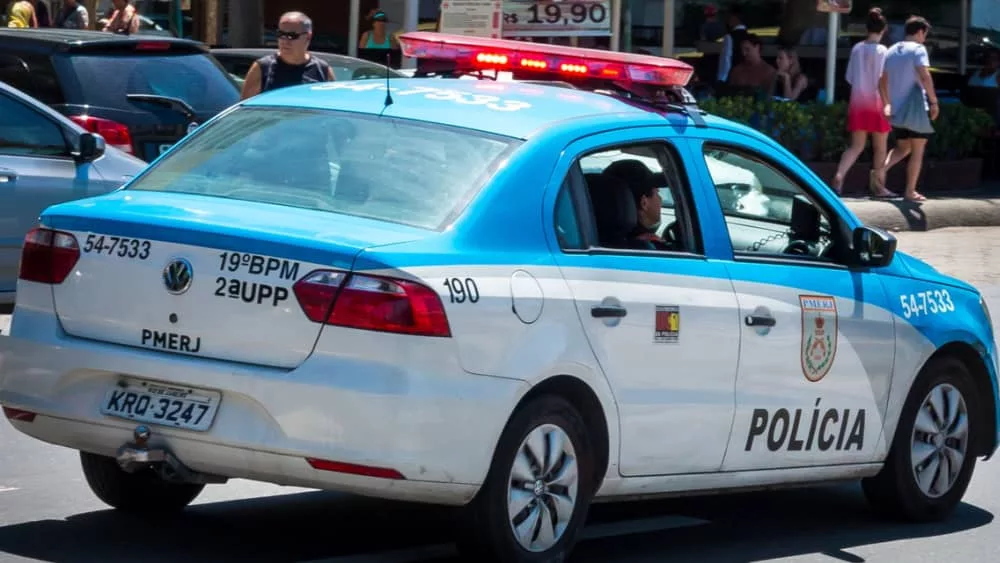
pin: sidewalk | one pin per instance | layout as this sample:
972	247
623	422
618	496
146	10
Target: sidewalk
980	208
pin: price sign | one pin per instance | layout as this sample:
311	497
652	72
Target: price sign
838	6
556	18
475	18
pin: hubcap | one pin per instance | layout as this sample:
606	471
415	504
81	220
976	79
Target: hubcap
542	489
940	440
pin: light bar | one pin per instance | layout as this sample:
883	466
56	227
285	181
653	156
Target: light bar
479	53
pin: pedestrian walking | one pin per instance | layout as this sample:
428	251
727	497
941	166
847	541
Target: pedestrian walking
378	37
866	108
913	102
292	64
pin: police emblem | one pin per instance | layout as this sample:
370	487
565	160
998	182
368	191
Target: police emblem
819	335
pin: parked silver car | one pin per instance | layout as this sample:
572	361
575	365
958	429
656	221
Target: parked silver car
45	159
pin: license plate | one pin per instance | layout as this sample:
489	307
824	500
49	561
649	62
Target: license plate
166	405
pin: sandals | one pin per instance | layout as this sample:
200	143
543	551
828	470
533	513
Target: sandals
877	189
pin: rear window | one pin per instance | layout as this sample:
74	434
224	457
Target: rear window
104	79
388	169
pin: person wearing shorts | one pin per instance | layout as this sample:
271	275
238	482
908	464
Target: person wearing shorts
913	102
865	111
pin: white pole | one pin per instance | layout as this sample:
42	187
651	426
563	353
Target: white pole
411	16
832	34
668	28
616	19
963	39
352	29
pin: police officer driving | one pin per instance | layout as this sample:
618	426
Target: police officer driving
292	64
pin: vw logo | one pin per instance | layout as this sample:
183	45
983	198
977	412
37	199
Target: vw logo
177	276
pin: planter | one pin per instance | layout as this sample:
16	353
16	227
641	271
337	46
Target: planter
948	175
936	176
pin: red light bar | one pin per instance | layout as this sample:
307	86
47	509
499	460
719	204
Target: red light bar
481	53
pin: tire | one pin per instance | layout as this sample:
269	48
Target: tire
895	491
141	492
488	532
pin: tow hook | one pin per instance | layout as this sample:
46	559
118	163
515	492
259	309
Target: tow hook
137	455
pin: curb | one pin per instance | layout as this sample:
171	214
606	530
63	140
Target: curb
934	213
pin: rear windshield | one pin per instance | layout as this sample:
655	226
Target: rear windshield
388	169
104	79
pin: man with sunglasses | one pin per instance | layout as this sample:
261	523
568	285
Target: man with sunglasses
292	64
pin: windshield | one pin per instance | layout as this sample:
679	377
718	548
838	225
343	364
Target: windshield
104	79
394	170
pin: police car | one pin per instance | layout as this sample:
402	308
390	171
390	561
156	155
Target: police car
429	290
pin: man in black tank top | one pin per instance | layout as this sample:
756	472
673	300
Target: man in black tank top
292	64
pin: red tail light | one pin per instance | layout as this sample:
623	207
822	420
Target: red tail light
114	133
48	256
371	303
18	414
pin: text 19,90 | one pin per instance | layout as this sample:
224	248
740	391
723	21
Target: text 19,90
117	246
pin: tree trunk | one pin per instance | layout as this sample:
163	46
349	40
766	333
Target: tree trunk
797	17
91	6
246	23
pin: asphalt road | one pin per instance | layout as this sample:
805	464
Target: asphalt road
47	513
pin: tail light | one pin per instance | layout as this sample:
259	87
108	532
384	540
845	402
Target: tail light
371	303
114	133
48	256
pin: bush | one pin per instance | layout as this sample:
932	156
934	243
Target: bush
817	132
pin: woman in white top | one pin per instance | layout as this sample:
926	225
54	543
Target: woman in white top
865	115
989	75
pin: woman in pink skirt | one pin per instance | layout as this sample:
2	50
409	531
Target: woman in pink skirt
865	113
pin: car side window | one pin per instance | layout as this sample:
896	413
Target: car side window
636	199
32	74
767	213
25	132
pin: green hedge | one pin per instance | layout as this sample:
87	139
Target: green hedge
817	132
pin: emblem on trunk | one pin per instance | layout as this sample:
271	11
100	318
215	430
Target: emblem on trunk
177	276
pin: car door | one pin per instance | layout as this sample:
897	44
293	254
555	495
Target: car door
817	342
36	171
663	324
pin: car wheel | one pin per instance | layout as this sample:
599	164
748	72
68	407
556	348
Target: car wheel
537	493
930	463
143	491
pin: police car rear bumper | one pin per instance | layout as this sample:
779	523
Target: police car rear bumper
435	431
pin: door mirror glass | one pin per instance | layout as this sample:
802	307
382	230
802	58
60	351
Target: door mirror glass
91	147
873	247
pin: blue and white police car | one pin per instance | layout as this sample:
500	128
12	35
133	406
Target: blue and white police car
510	297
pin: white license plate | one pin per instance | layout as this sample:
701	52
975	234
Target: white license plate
163	148
167	405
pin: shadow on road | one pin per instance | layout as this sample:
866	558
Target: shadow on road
306	526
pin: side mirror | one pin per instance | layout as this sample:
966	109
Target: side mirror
873	247
91	147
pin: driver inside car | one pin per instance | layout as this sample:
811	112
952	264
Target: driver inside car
647	207
645	188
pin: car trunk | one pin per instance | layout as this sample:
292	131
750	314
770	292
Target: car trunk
202	276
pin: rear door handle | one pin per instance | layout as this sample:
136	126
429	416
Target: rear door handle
603	311
758	320
7	175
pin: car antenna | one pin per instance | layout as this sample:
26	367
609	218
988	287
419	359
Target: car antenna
388	94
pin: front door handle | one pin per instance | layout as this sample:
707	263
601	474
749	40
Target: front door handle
7	175
760	320
603	311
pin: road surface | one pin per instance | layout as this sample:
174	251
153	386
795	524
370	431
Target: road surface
47	512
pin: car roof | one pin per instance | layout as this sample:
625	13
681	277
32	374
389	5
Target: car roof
76	39
39	106
332	58
536	107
